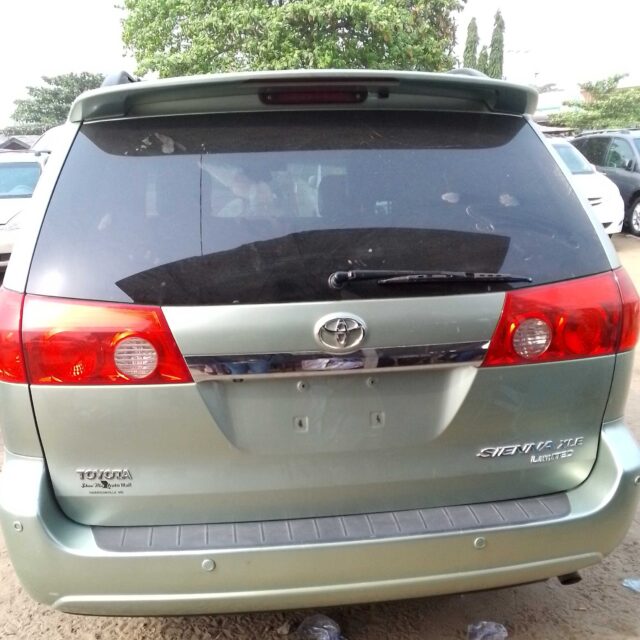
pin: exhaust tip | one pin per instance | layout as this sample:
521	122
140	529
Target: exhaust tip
569	578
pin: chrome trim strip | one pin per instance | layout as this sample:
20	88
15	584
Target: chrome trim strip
234	367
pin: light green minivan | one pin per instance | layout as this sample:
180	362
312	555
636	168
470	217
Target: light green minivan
296	339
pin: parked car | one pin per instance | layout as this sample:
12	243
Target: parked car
601	193
19	174
49	140
617	154
292	339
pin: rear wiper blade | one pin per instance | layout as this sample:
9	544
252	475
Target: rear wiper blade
338	279
453	276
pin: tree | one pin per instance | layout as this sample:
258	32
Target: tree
496	55
203	36
470	56
483	60
48	105
605	105
601	88
30	129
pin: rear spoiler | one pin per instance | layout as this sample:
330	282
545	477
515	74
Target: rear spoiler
241	92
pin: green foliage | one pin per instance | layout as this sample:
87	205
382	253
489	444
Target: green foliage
483	60
491	59
470	56
496	55
602	88
32	129
605	106
181	37
48	105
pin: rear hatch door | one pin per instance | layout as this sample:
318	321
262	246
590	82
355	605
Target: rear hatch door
310	399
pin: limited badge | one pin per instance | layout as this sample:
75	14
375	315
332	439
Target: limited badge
542	451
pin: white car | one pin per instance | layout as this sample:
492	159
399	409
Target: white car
603	195
50	139
19	174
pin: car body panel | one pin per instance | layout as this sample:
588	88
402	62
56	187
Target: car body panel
19	430
627	181
244	457
290	327
620	387
82	578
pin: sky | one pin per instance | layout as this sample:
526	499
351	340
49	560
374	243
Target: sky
52	37
560	41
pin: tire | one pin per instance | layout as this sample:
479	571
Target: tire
633	217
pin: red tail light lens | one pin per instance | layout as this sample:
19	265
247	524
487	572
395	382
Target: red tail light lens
630	311
11	358
70	342
580	318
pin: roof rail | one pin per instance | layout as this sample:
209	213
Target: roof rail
612	130
119	77
466	71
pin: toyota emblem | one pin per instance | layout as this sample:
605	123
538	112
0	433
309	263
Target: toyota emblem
340	332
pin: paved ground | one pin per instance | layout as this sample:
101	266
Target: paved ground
598	607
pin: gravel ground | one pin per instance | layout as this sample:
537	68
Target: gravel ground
598	607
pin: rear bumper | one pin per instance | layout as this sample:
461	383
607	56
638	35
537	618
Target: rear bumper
60	563
611	213
614	227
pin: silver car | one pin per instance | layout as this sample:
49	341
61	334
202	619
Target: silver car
295	339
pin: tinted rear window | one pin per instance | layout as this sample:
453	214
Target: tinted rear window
258	208
594	149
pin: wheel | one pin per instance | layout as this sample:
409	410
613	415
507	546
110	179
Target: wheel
633	219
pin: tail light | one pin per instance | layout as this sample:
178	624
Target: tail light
11	358
90	343
630	311
581	318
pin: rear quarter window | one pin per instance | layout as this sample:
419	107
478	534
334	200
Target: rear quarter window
263	207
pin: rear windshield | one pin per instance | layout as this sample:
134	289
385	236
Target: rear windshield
263	207
18	179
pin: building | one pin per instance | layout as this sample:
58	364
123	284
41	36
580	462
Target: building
16	143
